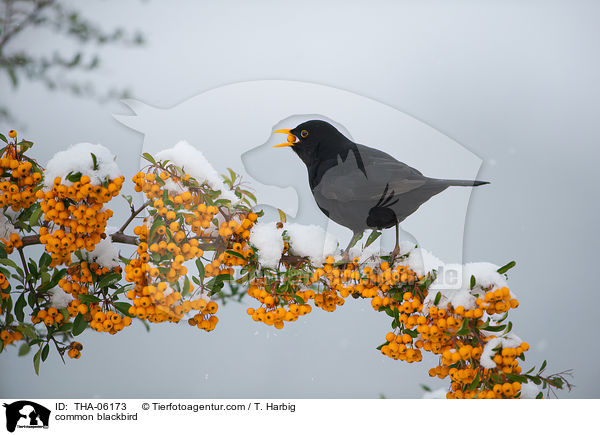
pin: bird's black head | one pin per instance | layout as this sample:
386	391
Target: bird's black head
314	140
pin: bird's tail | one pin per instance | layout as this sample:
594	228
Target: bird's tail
464	182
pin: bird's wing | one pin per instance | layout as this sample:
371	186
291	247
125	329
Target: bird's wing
382	176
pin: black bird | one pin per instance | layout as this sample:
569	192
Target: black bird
357	186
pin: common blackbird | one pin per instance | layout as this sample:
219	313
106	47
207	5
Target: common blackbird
357	186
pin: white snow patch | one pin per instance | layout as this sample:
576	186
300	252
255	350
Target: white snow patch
419	260
267	238
529	391
78	158
59	299
509	340
485	274
105	253
193	162
311	241
486	277
173	187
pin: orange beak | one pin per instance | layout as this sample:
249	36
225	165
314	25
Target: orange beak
291	138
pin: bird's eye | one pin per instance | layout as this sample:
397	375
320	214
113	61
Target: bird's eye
304	133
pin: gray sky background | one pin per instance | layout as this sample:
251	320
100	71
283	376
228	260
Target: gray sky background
513	82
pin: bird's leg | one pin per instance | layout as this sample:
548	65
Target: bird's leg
396	250
355	238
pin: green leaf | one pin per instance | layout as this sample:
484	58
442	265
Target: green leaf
494	328
149	158
475	382
438	296
216	284
109	279
200	267
45	352
94	161
544	364
19	305
473	282
507	267
79	324
540	395
425	387
516	378
57	274
8	262
282	216
298	299
13	77
412	333
249	195
33	272
157	223
186	287
235	254
24	349
25	145
87	299
145	323
73	177
123	307
128	198
3	138
35	217
372	237
27	330
388	311
46	278
464	329
36	361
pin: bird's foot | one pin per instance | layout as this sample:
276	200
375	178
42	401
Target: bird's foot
394	255
346	256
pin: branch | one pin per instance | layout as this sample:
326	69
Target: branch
124	238
29	18
134	213
116	237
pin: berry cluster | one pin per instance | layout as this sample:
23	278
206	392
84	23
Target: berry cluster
278	307
75	350
50	317
75	215
19	180
9	337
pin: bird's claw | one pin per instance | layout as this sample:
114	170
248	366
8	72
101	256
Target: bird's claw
346	256
393	255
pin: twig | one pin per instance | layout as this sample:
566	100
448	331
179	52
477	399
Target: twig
25	269
30	17
124	238
23	261
476	333
134	213
58	350
116	237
